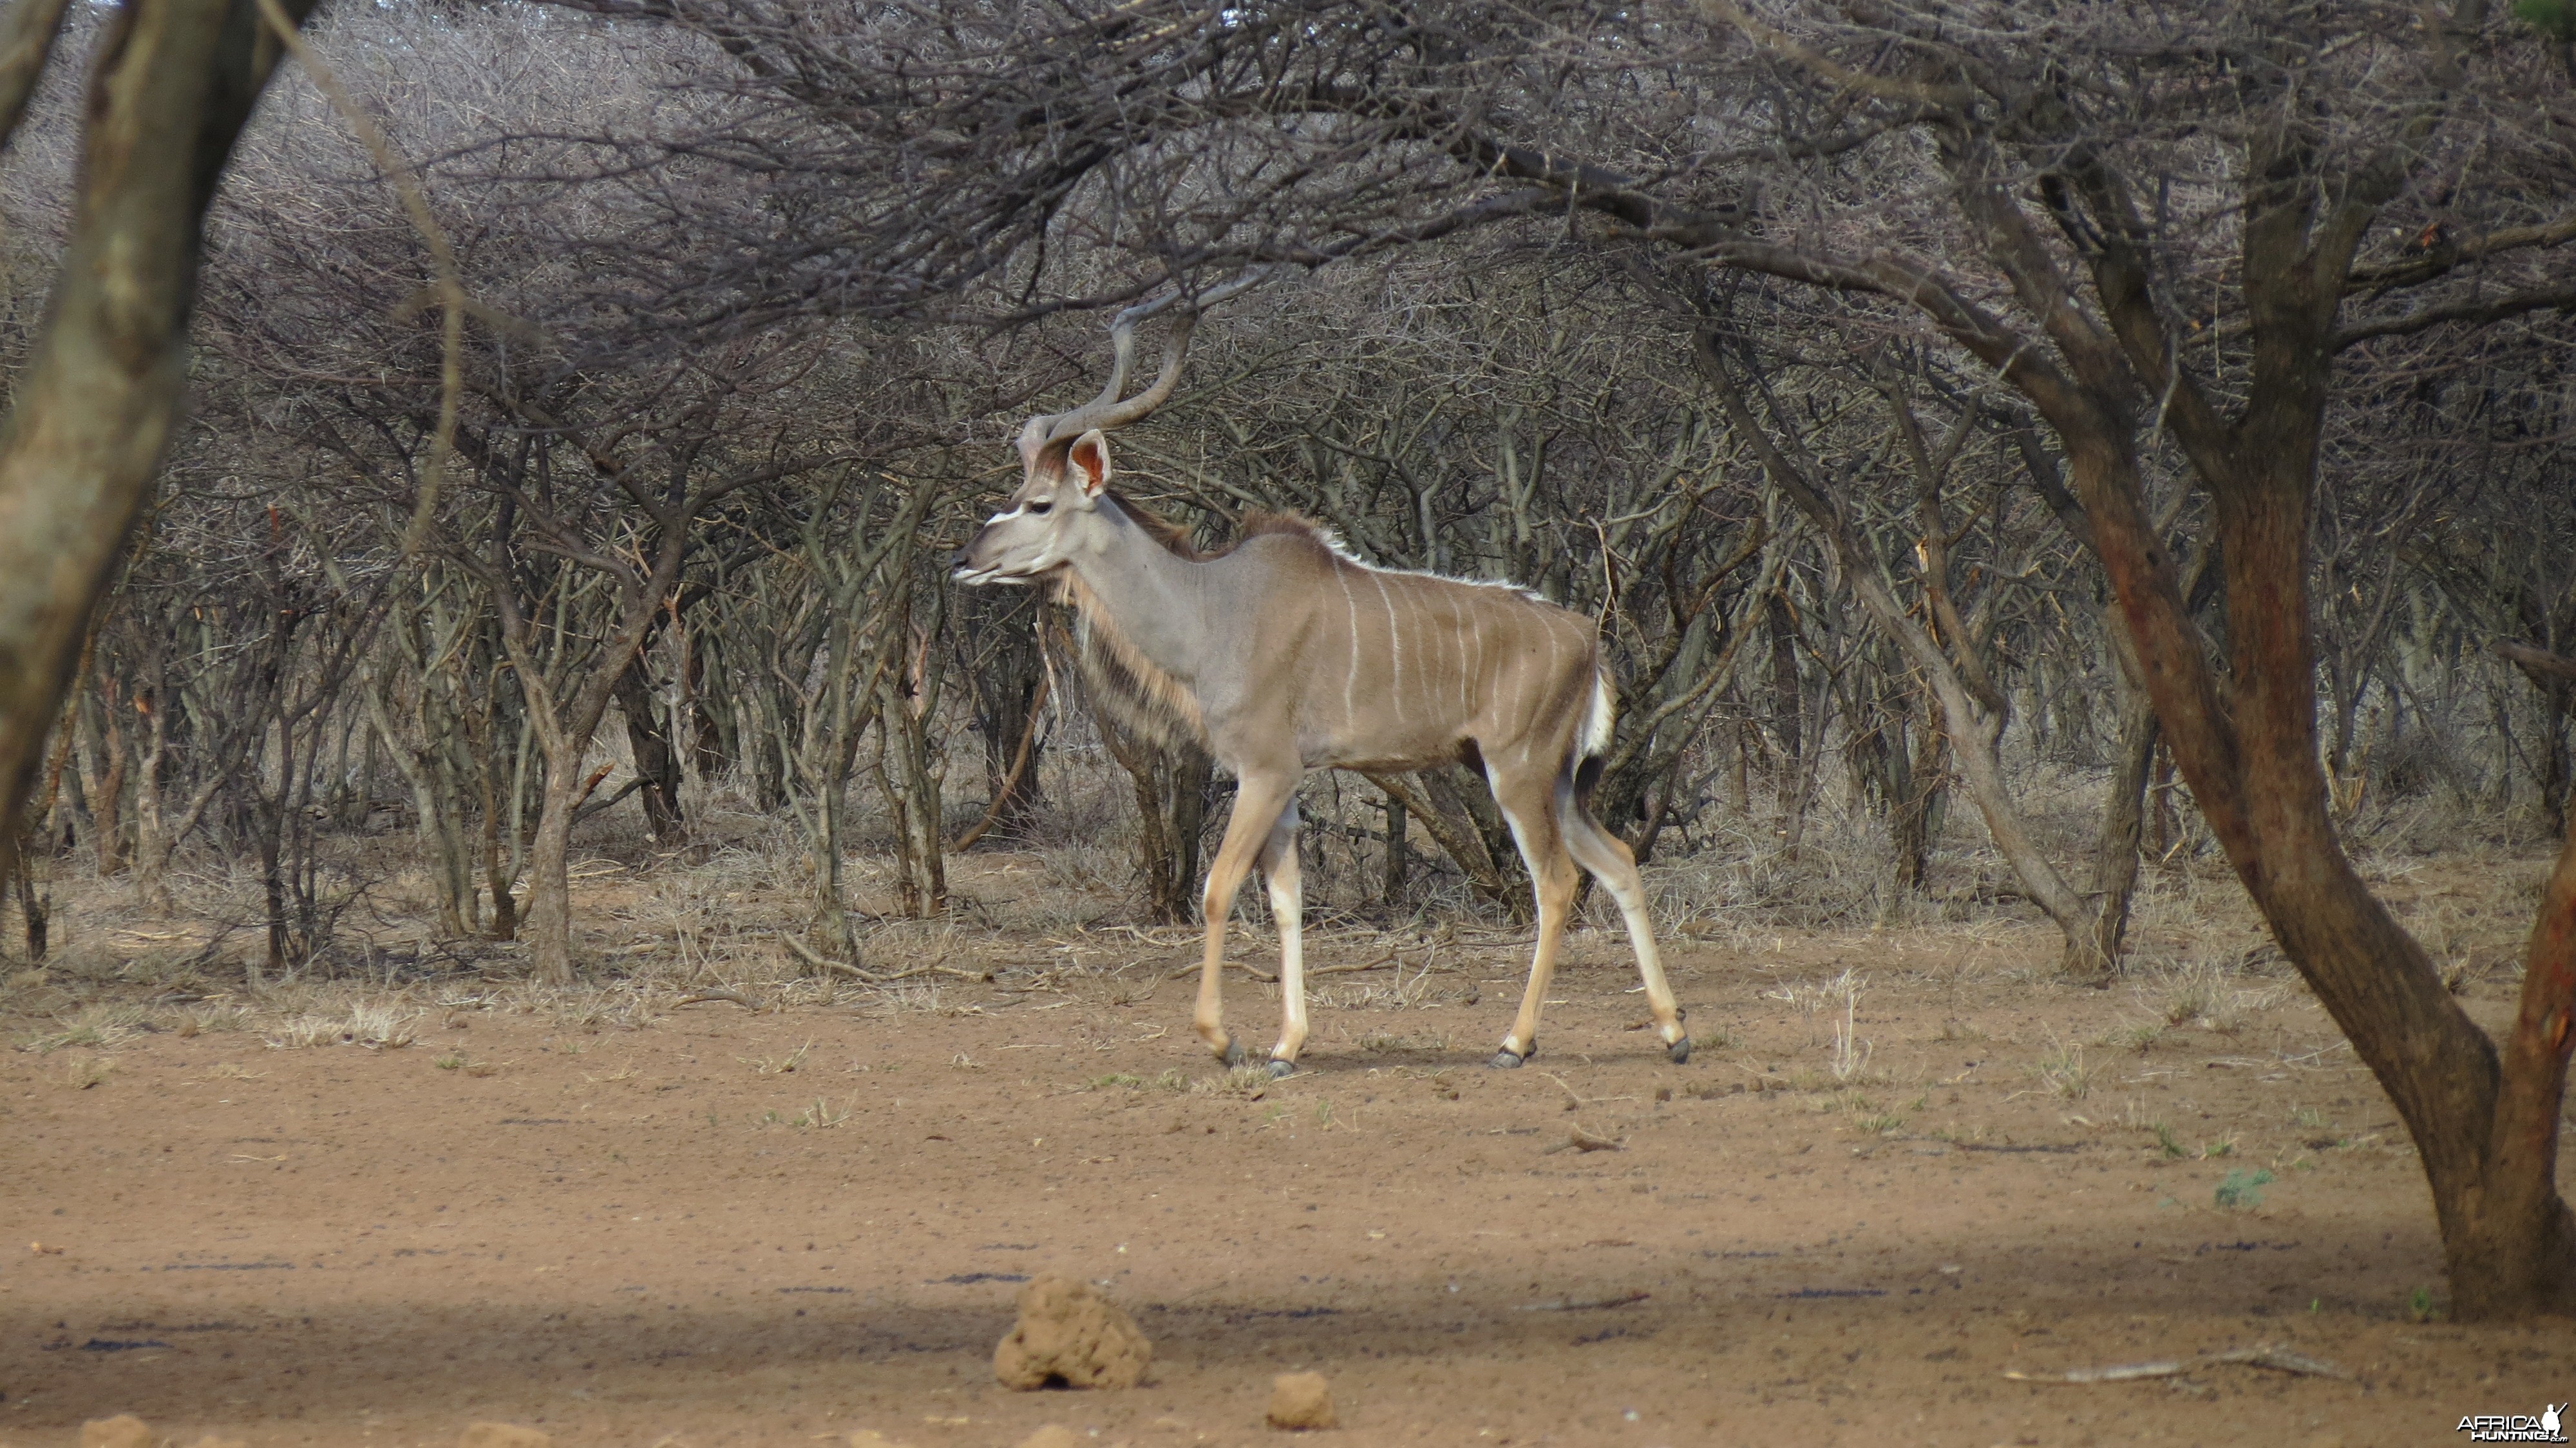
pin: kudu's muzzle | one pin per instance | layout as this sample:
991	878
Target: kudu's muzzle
962	562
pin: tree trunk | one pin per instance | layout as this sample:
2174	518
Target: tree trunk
1171	786
548	928
2115	853
30	871
94	405
2252	762
1974	725
831	914
436	811
1913	822
1441	800
1391	893
2515	1252
269	815
911	786
656	762
498	876
151	848
107	787
2552	747
1007	701
1788	699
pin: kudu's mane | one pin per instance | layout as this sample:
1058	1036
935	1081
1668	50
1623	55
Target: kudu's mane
1175	537
1123	684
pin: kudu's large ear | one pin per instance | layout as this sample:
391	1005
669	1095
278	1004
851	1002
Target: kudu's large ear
1087	461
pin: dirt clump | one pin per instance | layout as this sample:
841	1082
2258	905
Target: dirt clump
1068	1333
1052	1435
503	1435
211	1441
1300	1401
871	1438
122	1431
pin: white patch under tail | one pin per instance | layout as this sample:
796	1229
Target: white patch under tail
1597	721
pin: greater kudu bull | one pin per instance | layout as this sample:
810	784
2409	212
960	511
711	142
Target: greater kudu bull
1283	654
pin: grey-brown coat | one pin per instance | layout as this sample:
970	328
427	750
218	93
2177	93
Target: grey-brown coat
1283	655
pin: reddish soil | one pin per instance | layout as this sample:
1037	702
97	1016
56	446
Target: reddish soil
637	1235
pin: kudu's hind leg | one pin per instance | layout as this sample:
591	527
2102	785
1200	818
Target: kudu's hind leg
1258	798
1288	909
1608	858
1529	810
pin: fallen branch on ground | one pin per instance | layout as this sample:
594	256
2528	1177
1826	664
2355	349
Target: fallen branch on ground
821	962
719	994
909	972
1587	1304
1254	971
870	977
2268	1355
1582	1140
1266	978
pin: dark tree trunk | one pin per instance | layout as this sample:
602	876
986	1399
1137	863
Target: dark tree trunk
2554	789
1010	675
2251	758
2115	854
1915	821
1171	810
1391	893
656	762
1788	700
35	904
1446	802
703	728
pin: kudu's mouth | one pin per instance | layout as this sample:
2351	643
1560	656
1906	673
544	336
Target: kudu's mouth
962	567
965	572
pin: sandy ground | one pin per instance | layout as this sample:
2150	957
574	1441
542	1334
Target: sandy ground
697	1225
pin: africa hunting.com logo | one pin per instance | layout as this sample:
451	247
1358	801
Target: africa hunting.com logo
2516	1427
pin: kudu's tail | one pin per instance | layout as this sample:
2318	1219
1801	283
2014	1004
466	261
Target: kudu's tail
1594	741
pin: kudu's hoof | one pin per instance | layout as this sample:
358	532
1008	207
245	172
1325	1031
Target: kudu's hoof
1280	1070
1232	1055
1506	1061
1679	1051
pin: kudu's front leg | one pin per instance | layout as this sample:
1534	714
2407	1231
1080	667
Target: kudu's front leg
1258	798
1288	910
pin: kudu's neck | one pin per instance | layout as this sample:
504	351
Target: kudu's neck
1154	600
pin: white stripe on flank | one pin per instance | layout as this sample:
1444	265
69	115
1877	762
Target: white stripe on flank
1457	655
1477	632
1394	646
1351	682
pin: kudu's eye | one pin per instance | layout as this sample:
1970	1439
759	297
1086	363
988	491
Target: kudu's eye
1041	505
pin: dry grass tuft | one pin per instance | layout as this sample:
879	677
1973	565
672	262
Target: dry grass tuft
2204	993
82	1072
782	1064
376	1027
99	1025
1244	1081
2063	1071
